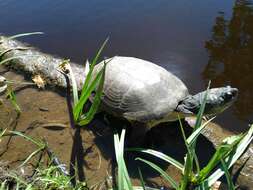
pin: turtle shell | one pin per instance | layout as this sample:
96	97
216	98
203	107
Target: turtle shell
140	90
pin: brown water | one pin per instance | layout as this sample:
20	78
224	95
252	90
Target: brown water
197	41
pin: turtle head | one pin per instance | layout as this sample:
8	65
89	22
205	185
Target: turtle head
217	100
224	95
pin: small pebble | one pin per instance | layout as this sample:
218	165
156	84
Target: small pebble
43	109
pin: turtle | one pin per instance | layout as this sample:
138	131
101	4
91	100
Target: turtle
141	91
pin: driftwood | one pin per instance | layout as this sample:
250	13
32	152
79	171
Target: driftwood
30	60
33	61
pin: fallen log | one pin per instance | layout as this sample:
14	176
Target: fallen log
31	60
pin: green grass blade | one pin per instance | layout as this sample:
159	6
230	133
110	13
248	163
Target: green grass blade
119	161
230	160
93	63
141	179
228	177
163	173
10	49
96	102
127	182
30	156
11	95
39	144
187	171
188	161
3	185
202	186
2	132
160	155
24	34
116	145
79	106
193	137
222	151
123	176
9	59
202	109
191	155
84	97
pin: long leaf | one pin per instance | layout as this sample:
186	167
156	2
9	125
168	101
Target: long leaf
231	159
222	151
202	109
2	132
119	161
123	176
163	173
192	138
11	95
11	49
30	156
94	61
79	105
127	181
9	59
84	97
141	179
161	156
188	161
96	102
228	177
24	34
39	144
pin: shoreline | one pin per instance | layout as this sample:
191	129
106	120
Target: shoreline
34	62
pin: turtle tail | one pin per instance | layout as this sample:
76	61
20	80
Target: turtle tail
218	99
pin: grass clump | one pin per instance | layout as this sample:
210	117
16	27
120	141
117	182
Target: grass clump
78	116
194	177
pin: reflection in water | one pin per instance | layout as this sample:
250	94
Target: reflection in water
231	55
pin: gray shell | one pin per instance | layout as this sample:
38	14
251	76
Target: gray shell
140	90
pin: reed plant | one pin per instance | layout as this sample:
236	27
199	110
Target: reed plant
93	83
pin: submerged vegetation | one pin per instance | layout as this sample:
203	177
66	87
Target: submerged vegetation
52	174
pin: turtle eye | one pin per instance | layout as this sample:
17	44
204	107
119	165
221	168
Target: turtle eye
231	93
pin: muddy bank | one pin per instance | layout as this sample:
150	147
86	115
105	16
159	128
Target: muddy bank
42	108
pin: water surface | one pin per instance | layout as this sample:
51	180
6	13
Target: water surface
196	40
